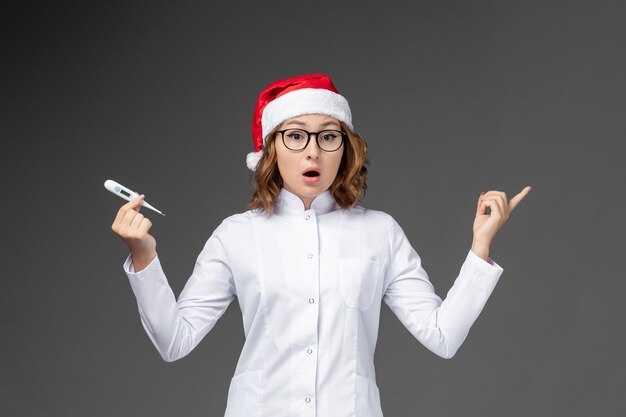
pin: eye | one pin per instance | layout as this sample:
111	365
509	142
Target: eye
329	136
295	135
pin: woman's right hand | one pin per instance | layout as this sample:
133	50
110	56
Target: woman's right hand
132	227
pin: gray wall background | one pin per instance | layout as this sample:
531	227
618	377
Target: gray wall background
454	98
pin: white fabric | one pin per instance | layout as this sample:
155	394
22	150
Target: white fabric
310	285
305	101
252	159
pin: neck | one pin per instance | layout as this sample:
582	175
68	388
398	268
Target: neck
307	202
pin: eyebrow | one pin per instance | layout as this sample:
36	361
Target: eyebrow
328	123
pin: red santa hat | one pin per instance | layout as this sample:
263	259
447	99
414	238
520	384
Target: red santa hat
284	99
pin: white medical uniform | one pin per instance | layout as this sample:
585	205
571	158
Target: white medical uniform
309	284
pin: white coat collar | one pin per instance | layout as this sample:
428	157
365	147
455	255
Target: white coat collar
289	202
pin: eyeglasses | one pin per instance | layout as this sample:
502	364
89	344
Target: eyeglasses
327	140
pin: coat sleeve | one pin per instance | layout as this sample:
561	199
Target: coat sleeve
176	327
441	326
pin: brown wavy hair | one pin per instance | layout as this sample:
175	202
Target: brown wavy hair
347	189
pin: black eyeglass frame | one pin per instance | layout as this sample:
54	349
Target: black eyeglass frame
344	136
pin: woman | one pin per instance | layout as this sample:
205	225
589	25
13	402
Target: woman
309	268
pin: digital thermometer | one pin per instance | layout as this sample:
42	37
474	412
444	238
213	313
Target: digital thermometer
126	193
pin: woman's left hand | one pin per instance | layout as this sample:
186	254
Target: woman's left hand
487	225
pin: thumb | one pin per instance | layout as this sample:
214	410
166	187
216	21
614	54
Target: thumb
135	204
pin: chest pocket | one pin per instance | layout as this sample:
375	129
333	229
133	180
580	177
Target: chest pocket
358	280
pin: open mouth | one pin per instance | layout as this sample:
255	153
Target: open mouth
311	174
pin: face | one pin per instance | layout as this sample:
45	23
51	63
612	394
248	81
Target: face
292	165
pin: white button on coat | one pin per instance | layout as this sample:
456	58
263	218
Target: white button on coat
362	257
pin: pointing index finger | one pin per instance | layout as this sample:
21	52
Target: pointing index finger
519	197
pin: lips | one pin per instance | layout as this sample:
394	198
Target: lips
311	172
311	175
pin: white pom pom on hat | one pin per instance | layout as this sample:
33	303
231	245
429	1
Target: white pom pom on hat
284	99
252	159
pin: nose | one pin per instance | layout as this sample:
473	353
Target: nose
312	149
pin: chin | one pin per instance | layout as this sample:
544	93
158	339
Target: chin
310	190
